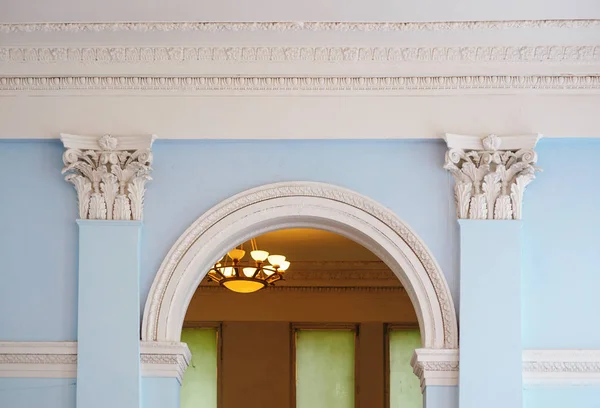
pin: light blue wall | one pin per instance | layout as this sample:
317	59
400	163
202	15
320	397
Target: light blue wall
37	392
561	247
108	348
490	314
561	229
38	244
562	397
158	392
441	397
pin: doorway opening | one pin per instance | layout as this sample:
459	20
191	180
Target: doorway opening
338	331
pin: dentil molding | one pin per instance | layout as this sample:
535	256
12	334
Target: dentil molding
321	54
268	84
491	174
59	359
292	26
109	174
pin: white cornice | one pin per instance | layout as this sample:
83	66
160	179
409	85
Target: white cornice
564	367
59	359
578	54
164	359
167	359
317	85
436	367
75	27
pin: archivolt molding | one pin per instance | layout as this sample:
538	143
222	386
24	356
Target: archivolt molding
320	54
292	26
491	174
255	84
335	199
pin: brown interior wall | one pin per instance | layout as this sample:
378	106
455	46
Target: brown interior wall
303	306
249	369
256	365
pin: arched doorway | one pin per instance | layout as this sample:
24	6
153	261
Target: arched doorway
300	205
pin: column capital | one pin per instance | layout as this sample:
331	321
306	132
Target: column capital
109	174
491	174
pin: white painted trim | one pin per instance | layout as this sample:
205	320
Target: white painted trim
59	359
293	205
436	367
164	359
297	85
561	367
317	115
514	142
38	359
296	26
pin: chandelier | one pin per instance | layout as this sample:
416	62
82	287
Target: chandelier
247	276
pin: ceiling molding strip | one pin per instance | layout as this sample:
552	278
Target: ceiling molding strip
292	26
281	83
99	55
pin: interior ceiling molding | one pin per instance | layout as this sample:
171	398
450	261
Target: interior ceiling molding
328	266
74	27
312	289
170	359
203	84
313	54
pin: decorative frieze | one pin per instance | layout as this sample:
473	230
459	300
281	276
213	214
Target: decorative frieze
109	174
491	174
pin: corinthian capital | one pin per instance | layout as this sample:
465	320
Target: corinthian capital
491	174
109	174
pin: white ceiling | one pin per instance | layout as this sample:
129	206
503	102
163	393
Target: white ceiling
294	10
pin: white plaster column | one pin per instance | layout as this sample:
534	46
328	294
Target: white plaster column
491	174
109	175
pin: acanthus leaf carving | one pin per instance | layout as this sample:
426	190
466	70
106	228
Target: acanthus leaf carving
490	182
109	178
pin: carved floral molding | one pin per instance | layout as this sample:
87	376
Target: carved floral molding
109	174
320	54
491	174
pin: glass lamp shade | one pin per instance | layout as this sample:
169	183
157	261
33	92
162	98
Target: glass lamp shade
276	260
249	272
268	271
227	271
236	254
243	286
259	256
284	266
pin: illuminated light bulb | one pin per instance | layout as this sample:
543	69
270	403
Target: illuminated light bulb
249	272
276	260
236	254
259	256
284	266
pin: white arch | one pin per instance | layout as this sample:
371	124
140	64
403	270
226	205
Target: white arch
296	205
